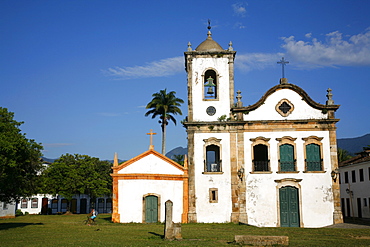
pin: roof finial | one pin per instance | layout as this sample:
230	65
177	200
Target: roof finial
209	34
283	63
189	46
330	100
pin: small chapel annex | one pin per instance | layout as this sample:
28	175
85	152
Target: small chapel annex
269	164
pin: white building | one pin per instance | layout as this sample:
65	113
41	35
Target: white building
355	185
142	185
268	164
80	204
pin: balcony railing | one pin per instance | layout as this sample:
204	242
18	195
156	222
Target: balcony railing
261	165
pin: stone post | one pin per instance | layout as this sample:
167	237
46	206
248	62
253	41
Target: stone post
171	230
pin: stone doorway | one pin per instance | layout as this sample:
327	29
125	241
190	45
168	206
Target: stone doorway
289	207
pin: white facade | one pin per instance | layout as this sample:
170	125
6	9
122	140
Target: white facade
267	164
142	185
355	186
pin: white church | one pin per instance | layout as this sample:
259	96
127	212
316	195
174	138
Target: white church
270	164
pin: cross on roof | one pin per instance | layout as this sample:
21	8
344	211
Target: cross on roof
151	138
283	63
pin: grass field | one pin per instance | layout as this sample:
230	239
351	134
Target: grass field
69	230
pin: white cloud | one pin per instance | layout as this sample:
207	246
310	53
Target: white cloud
239	9
164	67
334	51
253	61
239	25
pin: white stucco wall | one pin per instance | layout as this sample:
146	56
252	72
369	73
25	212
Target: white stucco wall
221	67
359	188
301	110
316	198
212	212
131	194
151	164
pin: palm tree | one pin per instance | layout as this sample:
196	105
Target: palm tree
164	105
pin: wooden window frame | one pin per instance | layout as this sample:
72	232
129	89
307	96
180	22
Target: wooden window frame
314	140
263	141
213	195
287	140
33	202
208	142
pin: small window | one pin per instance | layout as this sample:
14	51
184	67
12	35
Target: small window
287	161
260	155
5	206
284	107
213	195
361	175
64	205
101	203
365	202
353	176
54	204
346	177
313	157
24	203
34	202
213	163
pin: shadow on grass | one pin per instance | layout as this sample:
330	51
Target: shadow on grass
107	218
6	226
156	234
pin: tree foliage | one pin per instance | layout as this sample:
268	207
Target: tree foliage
164	105
343	155
78	174
179	158
19	160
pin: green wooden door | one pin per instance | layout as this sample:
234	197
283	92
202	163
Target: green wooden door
289	207
151	209
287	158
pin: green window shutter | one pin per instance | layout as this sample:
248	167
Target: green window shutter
287	158
313	157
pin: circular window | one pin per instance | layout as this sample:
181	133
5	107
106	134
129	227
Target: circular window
211	110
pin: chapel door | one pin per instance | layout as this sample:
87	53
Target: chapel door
151	209
289	207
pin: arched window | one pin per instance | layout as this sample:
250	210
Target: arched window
313	157
210	85
287	161
260	158
313	154
212	150
213	162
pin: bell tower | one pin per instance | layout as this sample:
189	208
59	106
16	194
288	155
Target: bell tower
210	79
210	71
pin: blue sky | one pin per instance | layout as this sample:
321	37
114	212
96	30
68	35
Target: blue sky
79	73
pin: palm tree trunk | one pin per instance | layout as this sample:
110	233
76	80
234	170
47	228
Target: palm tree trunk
164	136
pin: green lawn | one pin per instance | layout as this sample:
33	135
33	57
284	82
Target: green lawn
68	230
